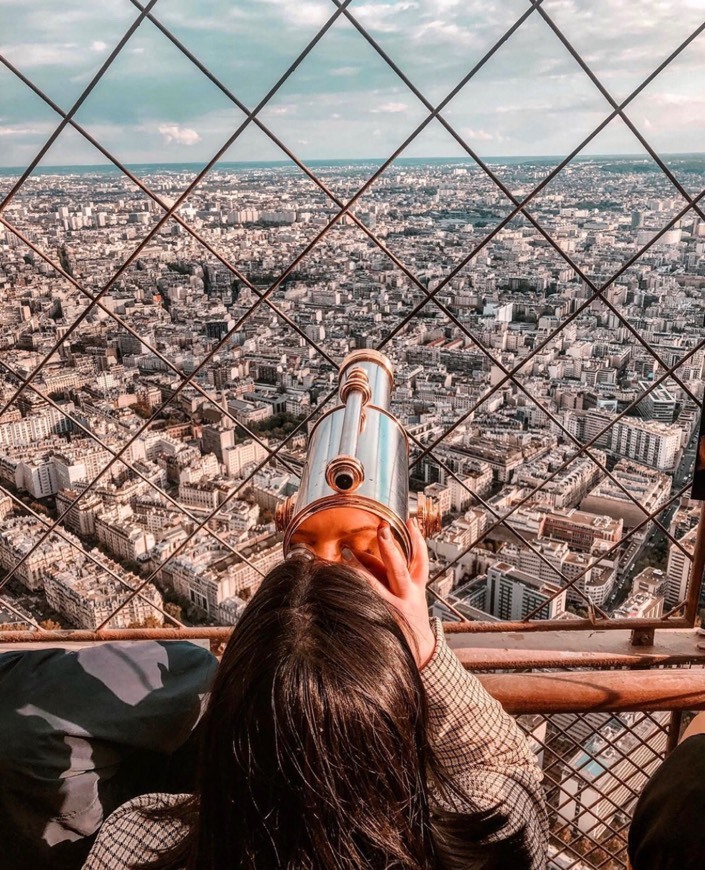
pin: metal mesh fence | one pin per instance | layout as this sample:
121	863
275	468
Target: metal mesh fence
598	750
595	766
205	527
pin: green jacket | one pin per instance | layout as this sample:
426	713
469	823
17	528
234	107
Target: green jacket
83	731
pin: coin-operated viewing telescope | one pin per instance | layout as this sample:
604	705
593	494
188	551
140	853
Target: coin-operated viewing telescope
358	458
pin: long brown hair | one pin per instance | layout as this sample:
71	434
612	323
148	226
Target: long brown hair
315	751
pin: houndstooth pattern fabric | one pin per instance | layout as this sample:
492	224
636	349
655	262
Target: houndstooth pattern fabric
484	751
481	747
128	837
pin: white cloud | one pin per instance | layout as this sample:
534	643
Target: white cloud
99	45
442	6
382	17
674	99
32	54
302	13
345	71
181	135
526	106
391	108
480	136
22	131
446	32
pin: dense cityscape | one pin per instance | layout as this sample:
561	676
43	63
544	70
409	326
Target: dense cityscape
159	379
510	355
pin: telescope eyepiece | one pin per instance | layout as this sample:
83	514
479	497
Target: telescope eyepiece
344	474
344	481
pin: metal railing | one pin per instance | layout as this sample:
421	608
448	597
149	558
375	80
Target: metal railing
684	613
599	736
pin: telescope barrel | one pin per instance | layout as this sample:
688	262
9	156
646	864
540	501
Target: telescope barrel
358	455
352	423
345	472
379	374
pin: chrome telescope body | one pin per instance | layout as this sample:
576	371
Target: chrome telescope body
358	456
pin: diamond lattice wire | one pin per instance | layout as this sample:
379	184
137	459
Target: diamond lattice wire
345	210
502	520
594	767
28	381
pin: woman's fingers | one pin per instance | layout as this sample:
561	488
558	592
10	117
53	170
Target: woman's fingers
370	563
398	578
419	553
393	579
354	561
406	595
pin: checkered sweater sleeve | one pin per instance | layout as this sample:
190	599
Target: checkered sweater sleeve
128	836
483	750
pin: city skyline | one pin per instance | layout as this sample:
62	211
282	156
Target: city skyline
45	169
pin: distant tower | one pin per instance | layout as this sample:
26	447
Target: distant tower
226	420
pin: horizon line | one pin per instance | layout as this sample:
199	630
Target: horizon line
527	158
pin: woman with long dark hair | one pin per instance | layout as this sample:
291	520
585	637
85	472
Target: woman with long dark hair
342	732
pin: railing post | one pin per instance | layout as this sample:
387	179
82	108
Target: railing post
643	636
696	570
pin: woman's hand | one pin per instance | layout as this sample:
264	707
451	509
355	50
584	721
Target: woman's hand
405	587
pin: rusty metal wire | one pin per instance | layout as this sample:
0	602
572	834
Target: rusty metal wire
592	833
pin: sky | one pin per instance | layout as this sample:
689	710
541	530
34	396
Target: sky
344	101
